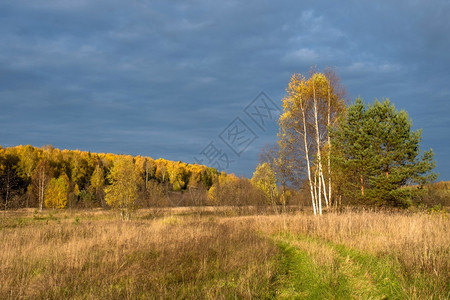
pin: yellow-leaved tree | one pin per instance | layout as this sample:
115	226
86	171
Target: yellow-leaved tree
264	179
123	191
98	182
56	192
310	108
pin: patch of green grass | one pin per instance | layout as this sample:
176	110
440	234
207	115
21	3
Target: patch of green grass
298	276
381	276
310	268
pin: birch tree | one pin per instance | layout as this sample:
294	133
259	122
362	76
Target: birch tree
335	94
40	178
276	157
123	192
56	192
310	108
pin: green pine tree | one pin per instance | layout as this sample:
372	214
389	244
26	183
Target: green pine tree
377	153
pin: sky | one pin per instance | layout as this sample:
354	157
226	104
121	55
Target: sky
203	80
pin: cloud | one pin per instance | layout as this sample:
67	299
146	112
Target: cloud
303	55
162	78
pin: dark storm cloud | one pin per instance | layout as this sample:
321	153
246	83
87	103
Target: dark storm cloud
163	78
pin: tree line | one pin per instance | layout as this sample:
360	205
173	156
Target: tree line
51	178
54	178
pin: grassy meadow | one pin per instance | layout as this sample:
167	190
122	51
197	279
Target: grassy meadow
200	253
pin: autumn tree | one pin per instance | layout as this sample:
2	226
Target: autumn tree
161	170
29	157
98	183
40	178
221	188
207	176
56	192
178	175
377	153
123	191
264	179
79	169
74	196
310	108
270	154
146	167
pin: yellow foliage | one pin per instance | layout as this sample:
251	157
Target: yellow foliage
212	195
122	193
264	179
76	190
56	193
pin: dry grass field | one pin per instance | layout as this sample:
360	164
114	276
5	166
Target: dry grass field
199	253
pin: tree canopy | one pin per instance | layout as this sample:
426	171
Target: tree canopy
123	191
376	153
264	179
25	172
56	192
310	108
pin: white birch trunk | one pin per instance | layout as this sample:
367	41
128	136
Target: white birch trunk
318	146
305	140
316	191
322	180
329	141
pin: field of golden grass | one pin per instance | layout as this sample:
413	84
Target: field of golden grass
198	253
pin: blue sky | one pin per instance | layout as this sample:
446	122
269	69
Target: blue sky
166	78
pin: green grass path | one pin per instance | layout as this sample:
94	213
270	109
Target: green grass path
311	268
